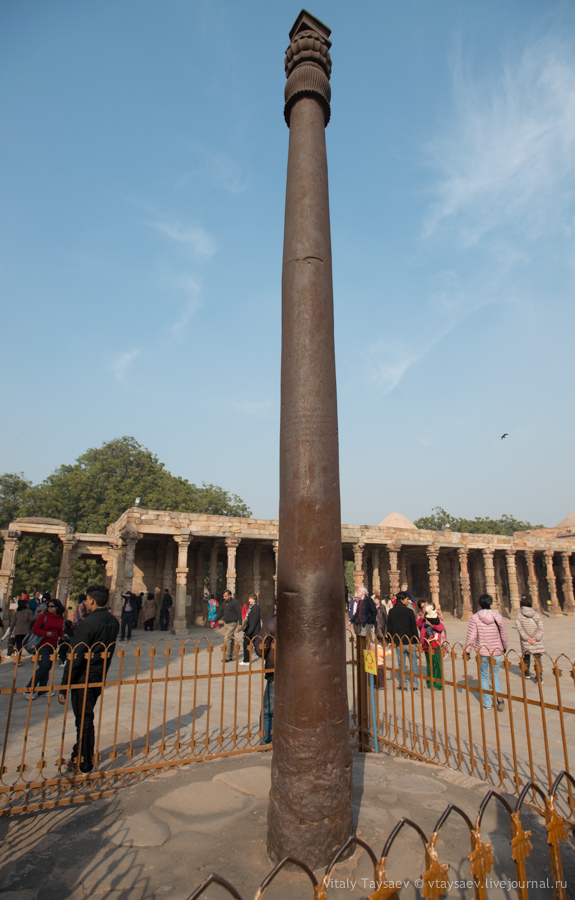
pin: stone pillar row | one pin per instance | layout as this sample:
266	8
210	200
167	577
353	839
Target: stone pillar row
120	555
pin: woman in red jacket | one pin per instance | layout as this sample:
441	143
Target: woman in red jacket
50	626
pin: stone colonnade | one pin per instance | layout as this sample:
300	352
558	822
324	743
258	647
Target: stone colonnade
195	555
453	577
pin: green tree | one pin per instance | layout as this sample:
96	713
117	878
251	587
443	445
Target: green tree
103	482
439	520
91	494
16	498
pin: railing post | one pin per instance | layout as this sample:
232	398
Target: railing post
362	696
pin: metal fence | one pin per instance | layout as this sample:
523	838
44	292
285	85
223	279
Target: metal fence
523	732
441	878
172	703
163	704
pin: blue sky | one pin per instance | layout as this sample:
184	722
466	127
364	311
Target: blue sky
142	177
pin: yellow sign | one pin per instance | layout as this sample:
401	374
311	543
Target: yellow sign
370	662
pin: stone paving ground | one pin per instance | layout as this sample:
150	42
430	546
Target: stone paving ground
162	836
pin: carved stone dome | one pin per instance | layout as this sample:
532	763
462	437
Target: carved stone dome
569	522
396	520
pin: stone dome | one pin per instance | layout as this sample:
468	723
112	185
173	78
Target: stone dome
569	522
396	520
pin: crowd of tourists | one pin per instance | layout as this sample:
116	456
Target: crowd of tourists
401	622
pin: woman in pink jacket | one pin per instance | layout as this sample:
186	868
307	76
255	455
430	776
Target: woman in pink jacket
488	634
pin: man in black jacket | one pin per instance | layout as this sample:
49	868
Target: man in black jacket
402	628
231	613
251	626
364	615
91	652
265	644
167	604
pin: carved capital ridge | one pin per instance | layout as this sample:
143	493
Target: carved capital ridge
308	63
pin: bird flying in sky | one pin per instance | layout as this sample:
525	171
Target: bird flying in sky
504	435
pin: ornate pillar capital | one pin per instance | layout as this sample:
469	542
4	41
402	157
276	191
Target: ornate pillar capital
308	64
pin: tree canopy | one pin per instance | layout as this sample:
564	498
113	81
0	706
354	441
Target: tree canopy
93	492
439	520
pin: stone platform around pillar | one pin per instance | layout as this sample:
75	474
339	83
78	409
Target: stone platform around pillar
163	836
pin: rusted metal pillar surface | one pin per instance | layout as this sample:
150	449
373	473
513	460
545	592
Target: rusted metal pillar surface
310	809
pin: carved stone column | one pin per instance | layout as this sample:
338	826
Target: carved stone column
375	569
310	806
169	566
403	580
129	564
393	550
466	607
257	576
567	580
490	576
65	573
532	580
275	546
200	578
358	572
118	558
555	608
231	546
183	541
513	585
214	569
433	574
11	538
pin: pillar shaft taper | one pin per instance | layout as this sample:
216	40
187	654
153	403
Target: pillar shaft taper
310	810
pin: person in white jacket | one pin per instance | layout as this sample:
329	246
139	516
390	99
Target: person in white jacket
529	624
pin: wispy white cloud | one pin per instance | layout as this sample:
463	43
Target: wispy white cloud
220	169
504	179
507	155
191	237
253	407
191	288
120	364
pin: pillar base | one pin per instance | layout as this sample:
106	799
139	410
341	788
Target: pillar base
180	627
